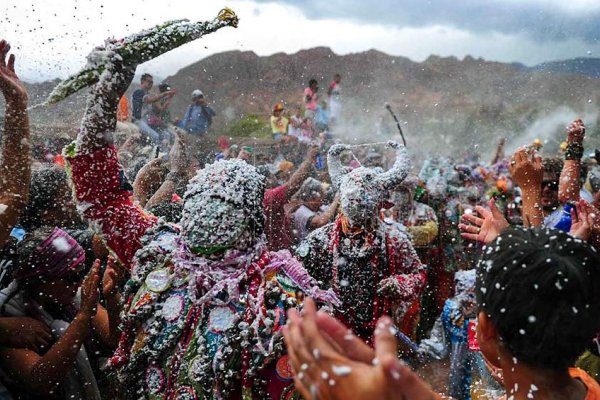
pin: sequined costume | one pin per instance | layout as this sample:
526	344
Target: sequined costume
206	300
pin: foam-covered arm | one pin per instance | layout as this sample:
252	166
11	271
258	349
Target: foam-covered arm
100	118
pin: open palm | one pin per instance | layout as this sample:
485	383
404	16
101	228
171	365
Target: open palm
10	85
485	229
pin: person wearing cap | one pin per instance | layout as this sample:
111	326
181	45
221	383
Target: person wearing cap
279	123
196	122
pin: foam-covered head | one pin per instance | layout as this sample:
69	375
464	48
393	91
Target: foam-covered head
361	192
223	207
362	189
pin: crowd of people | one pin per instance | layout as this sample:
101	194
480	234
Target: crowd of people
142	262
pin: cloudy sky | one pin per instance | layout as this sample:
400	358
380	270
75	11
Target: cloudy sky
51	38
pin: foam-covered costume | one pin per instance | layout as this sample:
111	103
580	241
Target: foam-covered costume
206	299
449	336
371	266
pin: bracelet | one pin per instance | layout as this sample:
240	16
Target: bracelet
574	151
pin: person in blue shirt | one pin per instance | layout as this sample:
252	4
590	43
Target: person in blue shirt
196	122
199	115
322	118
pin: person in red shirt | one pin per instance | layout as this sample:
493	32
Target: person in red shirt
277	226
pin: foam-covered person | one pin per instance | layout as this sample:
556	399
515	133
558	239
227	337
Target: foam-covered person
371	266
206	299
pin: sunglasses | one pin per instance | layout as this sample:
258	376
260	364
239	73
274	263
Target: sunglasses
552	185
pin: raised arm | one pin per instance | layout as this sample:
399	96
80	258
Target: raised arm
527	172
106	321
15	170
149	99
499	151
148	180
570	182
103	193
326	216
303	171
100	118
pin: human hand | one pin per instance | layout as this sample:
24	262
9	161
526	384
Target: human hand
177	156
25	332
10	85
576	131
111	279
326	369
485	229
526	169
582	220
89	292
149	175
390	288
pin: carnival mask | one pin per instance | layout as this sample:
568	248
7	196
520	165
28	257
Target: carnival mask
362	189
223	207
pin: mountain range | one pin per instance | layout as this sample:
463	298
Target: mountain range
445	104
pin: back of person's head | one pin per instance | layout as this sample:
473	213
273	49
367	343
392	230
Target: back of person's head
541	290
552	165
46	188
312	82
310	189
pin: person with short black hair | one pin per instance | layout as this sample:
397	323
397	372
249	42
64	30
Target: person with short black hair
539	304
311	99
50	200
308	212
141	104
560	278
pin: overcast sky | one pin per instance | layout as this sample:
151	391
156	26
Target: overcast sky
52	38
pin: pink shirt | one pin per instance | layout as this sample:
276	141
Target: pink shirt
312	104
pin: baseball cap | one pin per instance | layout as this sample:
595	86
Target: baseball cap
197	93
